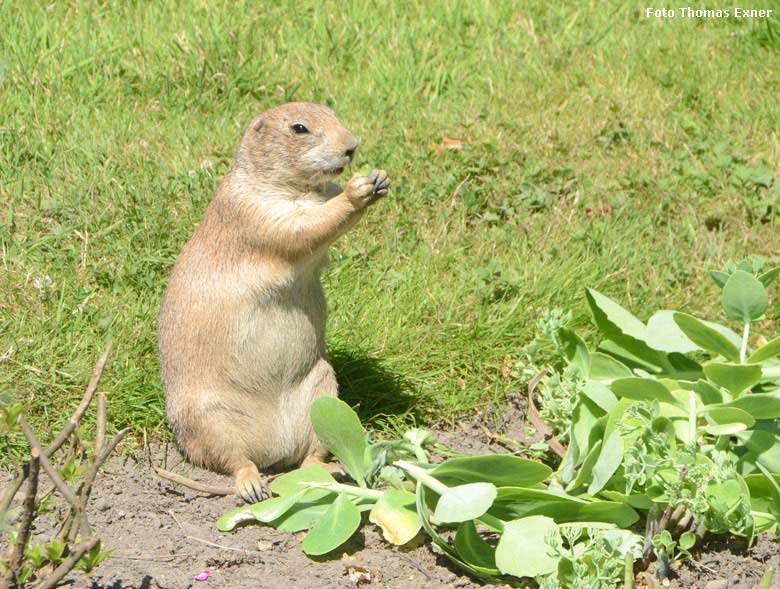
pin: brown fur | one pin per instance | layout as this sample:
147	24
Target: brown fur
242	324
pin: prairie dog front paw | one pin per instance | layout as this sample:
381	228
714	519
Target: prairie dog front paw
363	190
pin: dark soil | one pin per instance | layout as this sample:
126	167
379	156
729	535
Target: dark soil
164	536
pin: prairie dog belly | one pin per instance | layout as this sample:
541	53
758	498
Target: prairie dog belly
279	338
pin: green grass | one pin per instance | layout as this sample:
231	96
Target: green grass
109	110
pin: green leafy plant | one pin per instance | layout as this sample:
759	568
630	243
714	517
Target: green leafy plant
673	419
498	496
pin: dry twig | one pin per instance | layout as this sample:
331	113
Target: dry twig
545	432
197	486
76	530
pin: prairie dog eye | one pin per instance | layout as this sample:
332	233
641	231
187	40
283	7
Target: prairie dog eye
299	128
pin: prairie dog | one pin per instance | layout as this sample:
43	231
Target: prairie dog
242	323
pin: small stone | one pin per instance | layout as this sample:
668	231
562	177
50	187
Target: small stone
717	584
120	514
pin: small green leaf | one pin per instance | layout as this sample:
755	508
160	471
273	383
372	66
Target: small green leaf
768	350
464	502
706	337
763	447
338	427
498	469
720	278
289	483
303	516
643	389
600	394
516	502
708	393
726	421
395	512
575	350
473	549
524	551
664	334
759	405
264	511
620	326
609	461
735	378
744	297
603	367
334	528
768	277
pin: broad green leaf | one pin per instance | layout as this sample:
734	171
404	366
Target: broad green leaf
625	330
643	389
516	502
575	350
486	574
464	502
759	405
603	367
609	461
600	394
585	416
768	277
768	350
665	335
473	549
682	367
637	501
498	469
735	378
726	420
523	549
763	447
338	427
303	516
764	498
264	511
395	512
289	482
706	337
586	470
611	317
631	360
334	528
708	393
744	297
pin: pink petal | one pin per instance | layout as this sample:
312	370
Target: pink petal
203	576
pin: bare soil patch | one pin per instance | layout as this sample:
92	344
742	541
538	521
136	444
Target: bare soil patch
163	536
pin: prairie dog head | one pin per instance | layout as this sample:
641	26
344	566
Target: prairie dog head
299	145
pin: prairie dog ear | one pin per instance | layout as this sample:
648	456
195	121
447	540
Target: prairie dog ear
257	126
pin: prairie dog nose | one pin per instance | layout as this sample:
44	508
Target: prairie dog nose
352	144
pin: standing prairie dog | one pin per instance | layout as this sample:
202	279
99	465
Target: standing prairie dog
242	324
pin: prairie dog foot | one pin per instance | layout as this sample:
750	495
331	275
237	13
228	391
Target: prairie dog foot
364	190
250	485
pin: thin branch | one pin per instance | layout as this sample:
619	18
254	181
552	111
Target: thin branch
85	401
62	487
28	514
197	486
69	563
85	487
100	433
65	433
13	488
